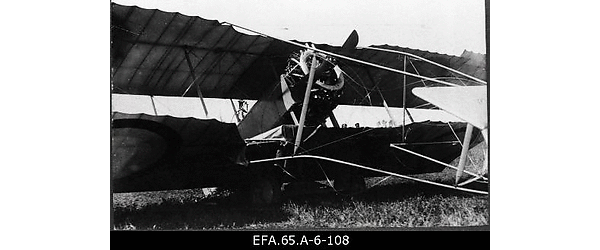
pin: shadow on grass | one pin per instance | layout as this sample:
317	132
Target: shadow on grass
190	214
190	210
388	191
402	191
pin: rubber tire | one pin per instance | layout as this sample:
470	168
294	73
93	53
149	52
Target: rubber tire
264	192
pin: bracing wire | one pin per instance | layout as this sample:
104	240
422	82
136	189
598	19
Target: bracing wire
338	140
371	169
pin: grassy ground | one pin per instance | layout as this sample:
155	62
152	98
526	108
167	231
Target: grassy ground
391	203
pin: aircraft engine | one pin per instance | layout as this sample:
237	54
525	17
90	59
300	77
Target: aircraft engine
326	90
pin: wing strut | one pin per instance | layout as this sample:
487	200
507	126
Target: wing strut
235	112
311	76
153	105
463	153
404	100
334	121
189	62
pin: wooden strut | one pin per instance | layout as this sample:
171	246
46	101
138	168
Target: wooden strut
235	112
485	161
311	76
459	142
367	168
404	101
463	153
189	62
153	105
334	121
484	132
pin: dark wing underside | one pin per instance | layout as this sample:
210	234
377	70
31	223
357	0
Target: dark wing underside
163	152
170	54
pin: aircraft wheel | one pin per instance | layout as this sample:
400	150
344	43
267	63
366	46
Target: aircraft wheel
257	189
265	191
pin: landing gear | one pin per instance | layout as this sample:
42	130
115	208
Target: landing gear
259	189
265	191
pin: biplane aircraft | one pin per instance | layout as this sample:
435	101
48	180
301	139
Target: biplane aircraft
284	137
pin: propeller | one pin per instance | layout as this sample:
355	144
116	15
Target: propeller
351	42
347	48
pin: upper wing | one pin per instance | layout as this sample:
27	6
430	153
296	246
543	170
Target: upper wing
169	54
161	53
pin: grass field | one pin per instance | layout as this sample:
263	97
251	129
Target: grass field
392	203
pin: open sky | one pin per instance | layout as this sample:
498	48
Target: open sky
441	26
